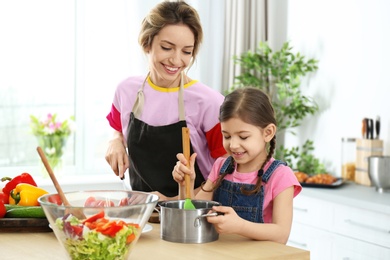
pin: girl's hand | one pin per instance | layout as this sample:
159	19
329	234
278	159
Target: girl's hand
181	168
229	223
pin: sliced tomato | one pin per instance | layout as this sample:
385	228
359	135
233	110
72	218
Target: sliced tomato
130	238
90	202
56	199
104	203
77	230
124	202
93	202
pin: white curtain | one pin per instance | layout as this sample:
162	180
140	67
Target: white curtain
208	64
245	26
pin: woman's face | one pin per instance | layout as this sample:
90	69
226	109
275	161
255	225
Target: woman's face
170	53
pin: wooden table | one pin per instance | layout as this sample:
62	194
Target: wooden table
150	246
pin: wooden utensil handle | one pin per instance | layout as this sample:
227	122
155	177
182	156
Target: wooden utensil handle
52	176
186	153
75	211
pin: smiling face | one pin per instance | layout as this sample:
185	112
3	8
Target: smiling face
246	143
170	53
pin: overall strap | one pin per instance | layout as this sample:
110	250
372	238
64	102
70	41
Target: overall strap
228	166
275	164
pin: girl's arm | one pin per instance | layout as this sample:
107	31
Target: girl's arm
206	193
178	175
277	231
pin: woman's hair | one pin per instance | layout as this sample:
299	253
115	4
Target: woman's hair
254	107
170	13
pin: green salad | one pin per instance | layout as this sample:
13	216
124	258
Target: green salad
97	237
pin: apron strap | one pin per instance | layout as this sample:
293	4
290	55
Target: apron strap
182	114
139	102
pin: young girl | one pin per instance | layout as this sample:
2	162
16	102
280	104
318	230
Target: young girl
255	190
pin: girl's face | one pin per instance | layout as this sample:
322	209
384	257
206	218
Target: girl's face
169	54
246	143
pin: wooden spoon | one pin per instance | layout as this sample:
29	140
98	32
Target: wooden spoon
186	151
78	213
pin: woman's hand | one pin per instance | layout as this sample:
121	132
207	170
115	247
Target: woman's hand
162	197
181	168
228	223
116	155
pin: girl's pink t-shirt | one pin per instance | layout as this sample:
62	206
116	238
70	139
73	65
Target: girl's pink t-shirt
282	178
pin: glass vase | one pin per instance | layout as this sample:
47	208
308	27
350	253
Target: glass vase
52	146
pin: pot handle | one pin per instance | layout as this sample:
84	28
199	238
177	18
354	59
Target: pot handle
197	222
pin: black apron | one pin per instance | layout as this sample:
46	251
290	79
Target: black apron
153	149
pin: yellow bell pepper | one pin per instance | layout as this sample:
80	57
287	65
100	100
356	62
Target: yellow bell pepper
25	194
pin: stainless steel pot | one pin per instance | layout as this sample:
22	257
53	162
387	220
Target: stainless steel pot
186	226
379	172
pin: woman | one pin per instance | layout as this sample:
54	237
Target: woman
148	112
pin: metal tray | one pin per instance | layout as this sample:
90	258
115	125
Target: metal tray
336	184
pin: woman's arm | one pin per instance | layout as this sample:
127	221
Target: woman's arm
277	231
116	154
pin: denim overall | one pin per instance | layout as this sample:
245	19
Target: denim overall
249	207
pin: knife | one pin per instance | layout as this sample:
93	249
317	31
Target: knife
371	128
377	127
364	128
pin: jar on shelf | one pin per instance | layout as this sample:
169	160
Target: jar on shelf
348	158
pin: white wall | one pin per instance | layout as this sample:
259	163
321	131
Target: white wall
351	40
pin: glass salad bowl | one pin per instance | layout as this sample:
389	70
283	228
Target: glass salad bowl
99	224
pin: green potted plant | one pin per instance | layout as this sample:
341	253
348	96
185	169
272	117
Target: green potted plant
279	74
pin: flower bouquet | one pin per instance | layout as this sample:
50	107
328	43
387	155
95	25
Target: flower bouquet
52	136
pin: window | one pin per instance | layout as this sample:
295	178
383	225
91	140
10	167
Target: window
67	57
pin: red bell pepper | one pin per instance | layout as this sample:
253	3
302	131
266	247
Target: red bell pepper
22	178
94	217
4	198
3	210
108	227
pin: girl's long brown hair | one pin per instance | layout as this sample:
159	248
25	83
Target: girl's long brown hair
254	107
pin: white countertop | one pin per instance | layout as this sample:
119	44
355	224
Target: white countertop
150	246
352	194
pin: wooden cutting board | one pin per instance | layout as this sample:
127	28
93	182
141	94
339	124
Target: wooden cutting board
24	225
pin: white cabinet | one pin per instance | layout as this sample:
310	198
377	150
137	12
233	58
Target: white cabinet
313	212
334	228
348	248
314	240
361	224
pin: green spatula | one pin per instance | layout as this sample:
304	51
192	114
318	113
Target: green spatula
186	151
